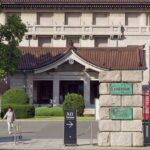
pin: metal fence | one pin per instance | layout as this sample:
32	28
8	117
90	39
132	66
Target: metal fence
17	133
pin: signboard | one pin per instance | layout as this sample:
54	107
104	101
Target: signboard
121	113
121	89
146	111
70	131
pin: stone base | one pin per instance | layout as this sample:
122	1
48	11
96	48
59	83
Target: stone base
104	139
120	139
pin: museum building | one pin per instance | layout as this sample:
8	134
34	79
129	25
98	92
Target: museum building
96	48
70	41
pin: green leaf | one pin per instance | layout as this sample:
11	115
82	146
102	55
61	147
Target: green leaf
11	34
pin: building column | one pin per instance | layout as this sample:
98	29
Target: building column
142	19
30	88
56	91
3	18
87	91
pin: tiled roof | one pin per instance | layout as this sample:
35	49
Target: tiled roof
74	4
75	1
35	57
124	58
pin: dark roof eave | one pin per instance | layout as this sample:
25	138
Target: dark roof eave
25	70
72	5
109	69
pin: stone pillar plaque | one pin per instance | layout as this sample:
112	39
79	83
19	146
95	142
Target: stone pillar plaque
121	113
121	89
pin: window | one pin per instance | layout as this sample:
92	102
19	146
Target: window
44	18
73	19
101	41
100	19
75	40
132	19
44	42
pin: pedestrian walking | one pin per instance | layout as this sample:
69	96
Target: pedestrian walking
10	116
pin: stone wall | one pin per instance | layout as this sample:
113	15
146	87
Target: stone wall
125	133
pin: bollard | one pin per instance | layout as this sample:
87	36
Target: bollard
20	135
15	137
91	134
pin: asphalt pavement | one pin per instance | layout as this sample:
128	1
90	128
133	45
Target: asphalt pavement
50	129
48	135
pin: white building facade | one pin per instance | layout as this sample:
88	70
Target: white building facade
52	24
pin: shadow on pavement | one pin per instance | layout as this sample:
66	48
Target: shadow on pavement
28	132
94	144
10	139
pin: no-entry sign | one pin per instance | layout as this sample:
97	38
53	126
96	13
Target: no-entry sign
70	128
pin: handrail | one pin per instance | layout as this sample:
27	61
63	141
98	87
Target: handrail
86	30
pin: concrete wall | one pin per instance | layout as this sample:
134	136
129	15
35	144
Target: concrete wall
124	133
59	18
86	19
17	81
2	18
29	18
23	82
117	18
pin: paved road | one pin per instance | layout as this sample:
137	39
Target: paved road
50	129
49	135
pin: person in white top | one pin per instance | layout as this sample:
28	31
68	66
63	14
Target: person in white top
10	116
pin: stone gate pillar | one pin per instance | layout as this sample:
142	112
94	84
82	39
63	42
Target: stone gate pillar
30	88
120	99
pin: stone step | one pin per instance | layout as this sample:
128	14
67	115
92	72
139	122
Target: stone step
89	111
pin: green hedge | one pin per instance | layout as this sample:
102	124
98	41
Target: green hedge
74	101
45	111
15	96
21	111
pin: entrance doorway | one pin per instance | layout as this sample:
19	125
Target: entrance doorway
94	91
70	87
44	92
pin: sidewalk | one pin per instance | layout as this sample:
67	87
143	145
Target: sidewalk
46	144
57	144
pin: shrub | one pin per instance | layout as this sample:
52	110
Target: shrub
15	96
21	111
45	111
74	101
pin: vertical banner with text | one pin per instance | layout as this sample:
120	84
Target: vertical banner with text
146	114
70	128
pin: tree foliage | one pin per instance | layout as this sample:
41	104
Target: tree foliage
15	96
74	101
11	34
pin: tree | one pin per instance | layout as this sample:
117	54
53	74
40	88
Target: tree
11	34
74	101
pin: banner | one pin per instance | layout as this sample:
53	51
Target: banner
146	111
